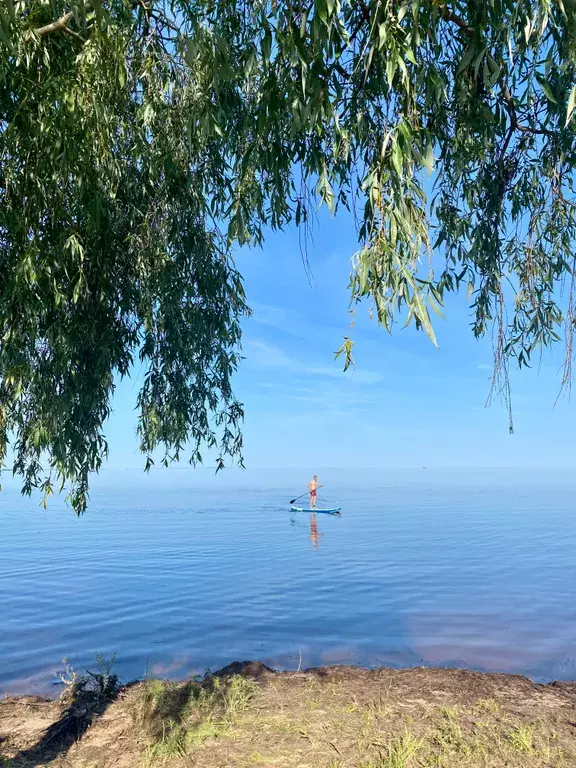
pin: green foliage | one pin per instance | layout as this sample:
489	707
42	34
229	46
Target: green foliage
173	718
109	253
399	753
100	685
521	738
141	139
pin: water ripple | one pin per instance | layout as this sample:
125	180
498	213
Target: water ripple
185	575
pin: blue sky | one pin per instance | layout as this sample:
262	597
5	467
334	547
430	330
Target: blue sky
405	404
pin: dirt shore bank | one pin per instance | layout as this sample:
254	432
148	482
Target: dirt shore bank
332	717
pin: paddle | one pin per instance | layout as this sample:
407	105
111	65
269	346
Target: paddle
302	494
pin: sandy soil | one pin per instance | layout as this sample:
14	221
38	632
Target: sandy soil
332	717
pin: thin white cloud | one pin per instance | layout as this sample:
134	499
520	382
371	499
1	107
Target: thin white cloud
279	318
339	396
298	324
359	375
266	355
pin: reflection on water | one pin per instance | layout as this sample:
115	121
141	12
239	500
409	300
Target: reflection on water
186	572
177	666
489	641
314	535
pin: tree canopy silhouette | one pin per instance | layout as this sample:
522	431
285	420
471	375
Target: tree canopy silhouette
141	140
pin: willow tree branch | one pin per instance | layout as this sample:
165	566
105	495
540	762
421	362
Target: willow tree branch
158	16
515	123
55	26
453	18
73	34
507	141
365	17
60	25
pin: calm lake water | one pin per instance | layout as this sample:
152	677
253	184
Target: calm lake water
182	571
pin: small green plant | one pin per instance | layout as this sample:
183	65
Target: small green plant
521	739
105	681
178	738
235	694
378	706
68	677
398	753
449	736
257	758
450	713
488	705
205	729
158	710
172	743
401	751
100	684
298	728
173	718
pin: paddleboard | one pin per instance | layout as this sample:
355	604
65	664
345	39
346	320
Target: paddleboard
332	511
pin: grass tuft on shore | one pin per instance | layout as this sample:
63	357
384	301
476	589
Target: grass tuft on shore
173	718
399	753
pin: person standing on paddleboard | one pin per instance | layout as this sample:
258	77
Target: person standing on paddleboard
313	486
